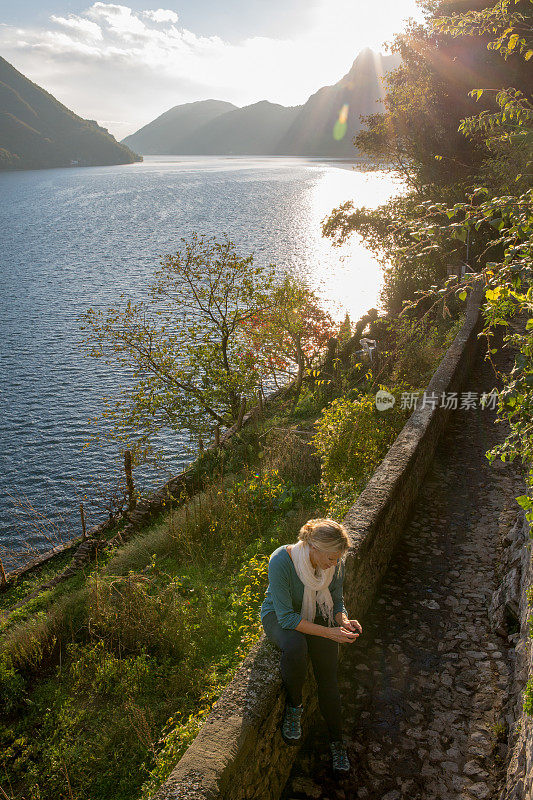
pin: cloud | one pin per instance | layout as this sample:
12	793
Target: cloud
79	26
119	20
111	62
162	15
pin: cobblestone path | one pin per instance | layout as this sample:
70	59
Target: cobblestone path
423	687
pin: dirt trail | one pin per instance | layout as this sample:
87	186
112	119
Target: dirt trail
424	686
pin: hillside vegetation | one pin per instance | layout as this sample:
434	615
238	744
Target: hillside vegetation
37	131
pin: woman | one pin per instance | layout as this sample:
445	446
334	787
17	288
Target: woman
303	602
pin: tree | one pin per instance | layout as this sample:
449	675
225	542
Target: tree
426	134
215	327
185	344
507	128
290	335
345	330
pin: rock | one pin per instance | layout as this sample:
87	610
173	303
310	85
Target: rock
306	786
480	790
430	604
473	770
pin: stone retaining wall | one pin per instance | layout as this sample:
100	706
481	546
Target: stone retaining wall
239	754
93	535
510	608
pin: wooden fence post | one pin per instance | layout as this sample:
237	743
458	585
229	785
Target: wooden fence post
83	529
129	480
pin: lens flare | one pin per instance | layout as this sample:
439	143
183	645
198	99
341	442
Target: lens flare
340	127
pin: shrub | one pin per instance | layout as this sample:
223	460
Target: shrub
290	453
133	613
12	685
418	349
352	438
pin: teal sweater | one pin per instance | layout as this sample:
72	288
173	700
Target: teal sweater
286	591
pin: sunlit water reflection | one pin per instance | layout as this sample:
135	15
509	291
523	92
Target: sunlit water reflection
76	238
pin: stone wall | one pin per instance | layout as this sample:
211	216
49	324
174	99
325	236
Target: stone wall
510	614
93	535
239	754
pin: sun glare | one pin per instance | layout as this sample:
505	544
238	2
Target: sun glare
347	278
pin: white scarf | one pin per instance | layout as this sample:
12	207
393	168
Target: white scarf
316	590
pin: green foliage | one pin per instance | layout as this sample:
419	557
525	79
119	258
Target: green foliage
508	21
416	346
352	438
430	105
136	612
288	338
132	661
407	268
189	374
12	685
309	404
512	123
146	648
29	582
345	330
180	730
493	219
81	719
426	98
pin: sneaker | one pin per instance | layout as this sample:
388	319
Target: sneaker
291	729
339	759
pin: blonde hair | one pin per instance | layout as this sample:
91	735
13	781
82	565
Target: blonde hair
326	535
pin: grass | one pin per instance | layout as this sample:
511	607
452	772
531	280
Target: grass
31	580
151	635
106	678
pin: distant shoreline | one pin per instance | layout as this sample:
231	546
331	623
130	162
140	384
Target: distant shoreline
358	161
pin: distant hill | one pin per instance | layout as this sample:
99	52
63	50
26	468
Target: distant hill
252	130
329	120
38	131
166	134
323	126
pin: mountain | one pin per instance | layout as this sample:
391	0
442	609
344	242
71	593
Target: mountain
252	130
323	126
38	131
166	134
329	120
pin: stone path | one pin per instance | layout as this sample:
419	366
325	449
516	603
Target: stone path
424	687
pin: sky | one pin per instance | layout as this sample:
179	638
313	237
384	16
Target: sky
124	65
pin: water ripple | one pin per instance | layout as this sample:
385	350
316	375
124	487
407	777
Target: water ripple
71	239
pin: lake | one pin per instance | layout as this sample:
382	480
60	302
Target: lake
75	238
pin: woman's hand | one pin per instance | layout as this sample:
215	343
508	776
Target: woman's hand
349	624
352	625
342	635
